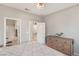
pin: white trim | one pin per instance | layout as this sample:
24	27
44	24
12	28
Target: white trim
20	30
30	30
4	32
18	20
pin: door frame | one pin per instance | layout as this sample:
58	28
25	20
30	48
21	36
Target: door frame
30	30
18	21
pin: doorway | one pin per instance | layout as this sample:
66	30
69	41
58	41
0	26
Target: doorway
11	32
34	32
37	32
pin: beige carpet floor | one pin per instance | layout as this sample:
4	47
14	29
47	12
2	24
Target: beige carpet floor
29	49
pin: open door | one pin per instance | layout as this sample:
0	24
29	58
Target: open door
41	33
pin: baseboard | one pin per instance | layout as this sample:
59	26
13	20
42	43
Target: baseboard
76	54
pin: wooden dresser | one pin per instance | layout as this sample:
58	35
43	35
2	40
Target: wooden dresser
64	45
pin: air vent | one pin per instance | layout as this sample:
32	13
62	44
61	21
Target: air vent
26	9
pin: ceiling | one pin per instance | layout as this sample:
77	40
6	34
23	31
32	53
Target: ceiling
50	7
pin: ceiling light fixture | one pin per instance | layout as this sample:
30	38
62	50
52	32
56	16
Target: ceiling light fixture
40	5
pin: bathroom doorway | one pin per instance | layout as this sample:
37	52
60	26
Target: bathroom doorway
11	32
34	32
37	32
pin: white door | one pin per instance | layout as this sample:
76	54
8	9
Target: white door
41	33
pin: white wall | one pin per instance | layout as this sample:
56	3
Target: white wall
14	13
66	21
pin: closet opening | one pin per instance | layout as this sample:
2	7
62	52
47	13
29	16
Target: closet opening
11	32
